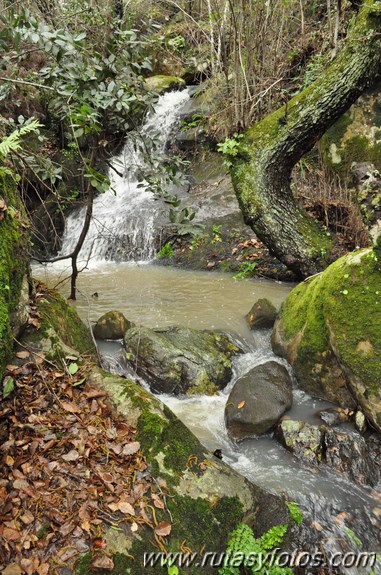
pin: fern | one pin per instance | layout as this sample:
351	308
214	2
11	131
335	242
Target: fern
256	555
12	143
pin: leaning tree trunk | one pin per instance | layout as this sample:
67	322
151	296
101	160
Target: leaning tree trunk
268	152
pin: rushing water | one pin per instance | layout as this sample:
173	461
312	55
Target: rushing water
155	296
152	296
124	224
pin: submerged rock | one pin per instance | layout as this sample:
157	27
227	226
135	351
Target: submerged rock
181	360
258	400
329	331
346	452
112	325
262	315
303	439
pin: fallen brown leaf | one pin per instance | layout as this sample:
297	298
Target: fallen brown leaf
163	528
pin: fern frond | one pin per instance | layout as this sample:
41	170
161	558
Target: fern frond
12	142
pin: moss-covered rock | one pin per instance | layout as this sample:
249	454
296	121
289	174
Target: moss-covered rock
180	359
14	242
112	325
356	136
329	330
61	331
162	83
206	499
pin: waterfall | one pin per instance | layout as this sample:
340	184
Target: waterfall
124	223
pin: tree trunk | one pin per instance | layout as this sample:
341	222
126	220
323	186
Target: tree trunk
262	168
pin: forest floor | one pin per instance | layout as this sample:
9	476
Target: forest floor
71	467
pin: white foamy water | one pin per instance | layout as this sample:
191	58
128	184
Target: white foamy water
124	217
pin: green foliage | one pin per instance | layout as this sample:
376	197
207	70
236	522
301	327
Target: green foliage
12	143
197	120
314	68
216	233
230	147
295	511
245	270
166	251
256	555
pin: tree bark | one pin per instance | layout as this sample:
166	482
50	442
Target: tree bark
261	170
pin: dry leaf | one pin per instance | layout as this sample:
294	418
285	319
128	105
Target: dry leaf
73	455
11	534
22	354
131	448
241	404
70	407
101	561
126	507
157	501
316	525
163	528
12	569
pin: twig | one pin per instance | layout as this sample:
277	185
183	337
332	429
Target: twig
12	81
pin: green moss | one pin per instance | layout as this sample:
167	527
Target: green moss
14	244
167	435
338	315
202	523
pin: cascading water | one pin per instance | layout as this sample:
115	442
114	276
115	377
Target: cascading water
123	228
124	220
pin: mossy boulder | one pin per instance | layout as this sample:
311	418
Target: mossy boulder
205	498
61	332
356	136
181	360
14	267
162	83
258	400
112	325
329	331
262	315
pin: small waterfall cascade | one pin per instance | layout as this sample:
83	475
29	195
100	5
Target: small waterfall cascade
125	217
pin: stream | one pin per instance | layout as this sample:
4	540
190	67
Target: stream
339	512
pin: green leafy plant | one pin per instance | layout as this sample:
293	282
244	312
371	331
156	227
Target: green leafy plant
230	147
245	269
216	233
12	143
166	251
295	511
256	555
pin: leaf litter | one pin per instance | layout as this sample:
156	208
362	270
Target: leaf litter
71	467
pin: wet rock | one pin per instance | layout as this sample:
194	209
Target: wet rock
303	439
112	325
258	400
191	138
350	454
334	415
262	315
346	452
181	360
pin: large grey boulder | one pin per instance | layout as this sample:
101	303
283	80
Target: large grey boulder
181	360
258	400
